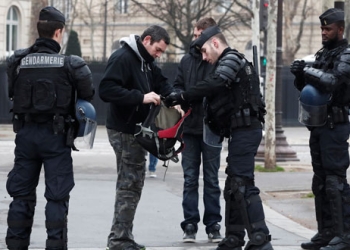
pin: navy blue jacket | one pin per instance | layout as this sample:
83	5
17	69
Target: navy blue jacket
191	70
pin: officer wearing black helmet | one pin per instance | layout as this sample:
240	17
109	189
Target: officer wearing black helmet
43	86
324	109
234	110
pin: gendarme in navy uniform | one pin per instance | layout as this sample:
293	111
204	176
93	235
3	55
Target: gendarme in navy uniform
234	110
43	86
324	109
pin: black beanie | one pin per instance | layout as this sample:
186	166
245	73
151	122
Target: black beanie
50	13
205	35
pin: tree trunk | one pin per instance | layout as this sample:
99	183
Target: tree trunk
256	29
37	5
270	134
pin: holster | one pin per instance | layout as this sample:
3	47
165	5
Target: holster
58	124
241	119
70	133
17	122
338	115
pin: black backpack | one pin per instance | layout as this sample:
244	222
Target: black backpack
160	131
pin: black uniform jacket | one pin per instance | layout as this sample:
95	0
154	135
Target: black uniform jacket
129	75
210	86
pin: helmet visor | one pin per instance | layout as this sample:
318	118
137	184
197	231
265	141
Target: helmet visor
86	141
313	116
210	138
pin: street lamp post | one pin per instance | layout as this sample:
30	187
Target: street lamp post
339	4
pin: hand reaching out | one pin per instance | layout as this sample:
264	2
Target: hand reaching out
151	97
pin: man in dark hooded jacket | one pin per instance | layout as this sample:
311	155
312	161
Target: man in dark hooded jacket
130	84
191	70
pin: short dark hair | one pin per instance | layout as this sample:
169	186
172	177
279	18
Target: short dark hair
47	29
204	23
221	37
157	34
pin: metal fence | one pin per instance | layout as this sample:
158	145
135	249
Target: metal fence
289	95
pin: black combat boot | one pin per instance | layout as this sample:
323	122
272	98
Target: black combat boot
230	242
338	243
318	241
130	245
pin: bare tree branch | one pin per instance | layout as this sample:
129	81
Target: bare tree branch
180	15
292	41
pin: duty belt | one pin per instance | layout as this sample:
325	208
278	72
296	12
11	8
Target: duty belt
337	115
243	118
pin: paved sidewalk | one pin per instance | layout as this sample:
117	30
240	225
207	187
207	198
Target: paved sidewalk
158	217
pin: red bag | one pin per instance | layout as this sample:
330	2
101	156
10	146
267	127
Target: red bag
160	131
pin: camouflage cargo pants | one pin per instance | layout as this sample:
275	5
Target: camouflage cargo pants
131	158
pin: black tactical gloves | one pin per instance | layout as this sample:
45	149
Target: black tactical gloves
297	68
174	99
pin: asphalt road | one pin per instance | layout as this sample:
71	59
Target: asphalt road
157	222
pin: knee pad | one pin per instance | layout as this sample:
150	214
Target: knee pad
259	241
21	213
235	187
238	187
259	238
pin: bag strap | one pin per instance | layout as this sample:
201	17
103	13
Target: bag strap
154	110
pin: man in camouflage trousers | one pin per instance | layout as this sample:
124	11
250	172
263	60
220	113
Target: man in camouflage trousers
130	84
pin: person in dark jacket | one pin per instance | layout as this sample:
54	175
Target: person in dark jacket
191	70
43	86
131	83
234	110
324	108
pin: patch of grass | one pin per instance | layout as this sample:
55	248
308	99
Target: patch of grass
259	168
308	195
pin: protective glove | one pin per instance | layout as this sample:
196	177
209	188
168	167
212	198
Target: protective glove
297	68
173	99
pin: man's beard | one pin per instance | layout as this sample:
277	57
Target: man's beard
330	44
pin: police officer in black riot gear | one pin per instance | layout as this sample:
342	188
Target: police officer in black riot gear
234	109
43	86
329	74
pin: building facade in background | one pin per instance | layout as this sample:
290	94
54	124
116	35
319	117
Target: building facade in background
101	23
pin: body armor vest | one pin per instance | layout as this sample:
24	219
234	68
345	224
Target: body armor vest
336	61
241	101
42	85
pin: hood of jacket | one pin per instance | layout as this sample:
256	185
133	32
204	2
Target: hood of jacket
131	41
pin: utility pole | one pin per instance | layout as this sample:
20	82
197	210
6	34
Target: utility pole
105	33
256	29
339	4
